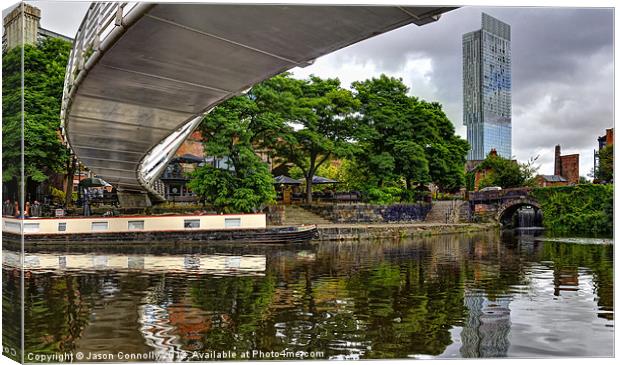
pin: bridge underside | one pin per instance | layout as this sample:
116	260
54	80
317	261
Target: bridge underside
177	61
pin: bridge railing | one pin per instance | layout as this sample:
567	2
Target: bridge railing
97	32
100	20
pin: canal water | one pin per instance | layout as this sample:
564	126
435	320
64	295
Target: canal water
451	296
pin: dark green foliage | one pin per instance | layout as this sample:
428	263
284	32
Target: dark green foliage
247	189
231	131
388	141
44	70
579	208
320	126
606	164
506	173
406	140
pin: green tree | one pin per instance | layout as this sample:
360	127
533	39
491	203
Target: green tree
44	70
231	131
506	173
403	138
319	127
606	164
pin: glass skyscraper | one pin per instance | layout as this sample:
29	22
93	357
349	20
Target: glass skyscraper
486	89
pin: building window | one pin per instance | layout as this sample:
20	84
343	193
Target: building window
135	225
232	222
99	226
31	227
191	223
62	227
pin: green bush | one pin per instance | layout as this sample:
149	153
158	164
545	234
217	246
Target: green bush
58	196
577	209
384	195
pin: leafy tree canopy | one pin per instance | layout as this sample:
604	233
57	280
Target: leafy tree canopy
403	137
506	173
319	127
606	164
44	70
231	132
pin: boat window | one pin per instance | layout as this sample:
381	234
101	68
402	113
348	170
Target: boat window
99	226
15	226
232	222
135	225
62	227
31	227
192	223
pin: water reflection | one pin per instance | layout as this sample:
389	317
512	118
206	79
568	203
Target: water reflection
448	296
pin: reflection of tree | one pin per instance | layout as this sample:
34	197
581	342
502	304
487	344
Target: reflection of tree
379	299
407	311
56	310
11	312
598	259
59	309
237	306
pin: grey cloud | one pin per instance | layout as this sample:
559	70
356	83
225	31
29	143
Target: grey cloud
562	66
563	56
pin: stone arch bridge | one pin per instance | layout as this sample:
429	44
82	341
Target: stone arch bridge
502	205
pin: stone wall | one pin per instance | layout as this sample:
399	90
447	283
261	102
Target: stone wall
368	213
484	212
397	231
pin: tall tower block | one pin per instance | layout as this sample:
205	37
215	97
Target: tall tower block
487	100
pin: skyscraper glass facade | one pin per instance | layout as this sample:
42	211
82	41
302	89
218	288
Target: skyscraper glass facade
487	89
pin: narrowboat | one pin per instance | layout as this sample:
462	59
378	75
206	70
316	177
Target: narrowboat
241	228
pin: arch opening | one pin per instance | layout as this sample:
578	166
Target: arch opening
521	215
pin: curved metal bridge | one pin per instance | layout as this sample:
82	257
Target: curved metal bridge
141	77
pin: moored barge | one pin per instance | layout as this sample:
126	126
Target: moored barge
233	228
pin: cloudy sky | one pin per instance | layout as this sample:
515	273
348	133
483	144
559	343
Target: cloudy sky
562	70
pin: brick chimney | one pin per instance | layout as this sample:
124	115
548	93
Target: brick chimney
558	161
493	152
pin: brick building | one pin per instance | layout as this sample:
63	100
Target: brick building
550	180
567	166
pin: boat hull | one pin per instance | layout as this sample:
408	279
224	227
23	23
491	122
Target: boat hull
276	235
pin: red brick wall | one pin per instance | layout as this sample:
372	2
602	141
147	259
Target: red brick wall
570	168
192	146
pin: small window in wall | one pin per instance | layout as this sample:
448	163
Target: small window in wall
232	222
31	227
62	227
191	223
99	226
135	225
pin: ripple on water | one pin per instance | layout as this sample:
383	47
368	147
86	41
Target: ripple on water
447	296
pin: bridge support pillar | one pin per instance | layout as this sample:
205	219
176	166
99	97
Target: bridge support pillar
133	199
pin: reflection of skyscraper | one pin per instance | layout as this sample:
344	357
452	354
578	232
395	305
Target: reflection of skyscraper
487	89
485	332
